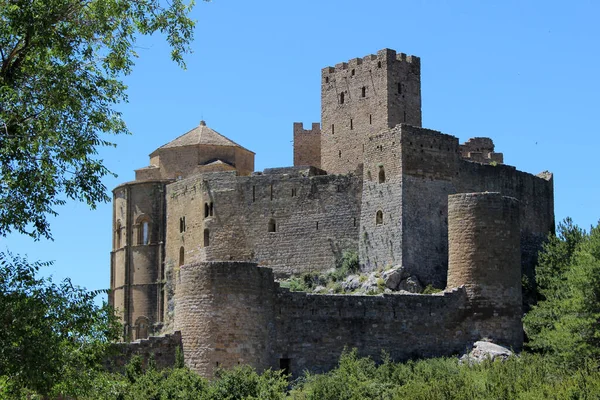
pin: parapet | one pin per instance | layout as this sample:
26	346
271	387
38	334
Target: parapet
383	57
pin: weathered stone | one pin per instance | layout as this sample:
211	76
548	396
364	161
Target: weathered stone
483	350
411	285
394	276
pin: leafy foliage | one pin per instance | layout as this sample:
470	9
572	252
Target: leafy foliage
565	322
61	67
52	336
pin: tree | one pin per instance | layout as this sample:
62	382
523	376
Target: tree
52	336
566	320
61	69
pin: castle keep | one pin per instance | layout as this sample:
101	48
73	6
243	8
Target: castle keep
199	237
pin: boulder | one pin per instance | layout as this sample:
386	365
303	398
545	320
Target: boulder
485	350
393	277
411	284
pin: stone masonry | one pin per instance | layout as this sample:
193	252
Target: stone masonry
199	238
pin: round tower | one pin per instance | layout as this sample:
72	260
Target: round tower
137	256
485	257
224	311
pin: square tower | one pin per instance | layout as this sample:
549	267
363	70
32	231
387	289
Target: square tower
362	97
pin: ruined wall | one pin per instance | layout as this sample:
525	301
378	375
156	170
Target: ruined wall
136	261
161	348
225	313
484	256
307	145
270	218
480	149
362	97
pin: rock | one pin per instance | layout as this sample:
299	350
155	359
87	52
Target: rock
370	284
411	284
319	289
485	350
351	283
393	277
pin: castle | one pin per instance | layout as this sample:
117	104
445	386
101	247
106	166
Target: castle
199	237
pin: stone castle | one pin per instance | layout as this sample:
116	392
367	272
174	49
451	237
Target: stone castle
199	237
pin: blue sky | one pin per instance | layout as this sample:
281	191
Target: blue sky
524	73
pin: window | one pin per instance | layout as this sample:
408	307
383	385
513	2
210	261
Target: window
118	235
181	224
145	232
351	124
370	119
285	365
378	64
141	328
363	92
211	208
381	175
404	116
353	72
317	225
253	194
332	129
272	226
206	210
340	154
342	98
399	88
181	256
379	218
294	192
354	222
206	238
326	79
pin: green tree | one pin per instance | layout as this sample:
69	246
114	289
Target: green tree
61	69
565	322
52	336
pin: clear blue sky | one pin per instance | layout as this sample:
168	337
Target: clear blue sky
525	73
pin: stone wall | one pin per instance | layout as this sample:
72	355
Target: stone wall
422	168
162	348
362	97
307	145
271	218
480	149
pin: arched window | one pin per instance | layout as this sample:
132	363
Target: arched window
143	230
141	328
118	235
378	64
206	210
381	175
272	226
181	256
206	238
342	98
379	218
363	91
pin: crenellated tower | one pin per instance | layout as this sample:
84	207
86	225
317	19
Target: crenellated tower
365	96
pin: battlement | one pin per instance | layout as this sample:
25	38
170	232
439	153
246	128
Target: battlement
480	149
373	61
307	145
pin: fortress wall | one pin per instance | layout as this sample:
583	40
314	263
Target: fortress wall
312	330
430	164
162	348
484	256
535	194
316	213
380	244
225	313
